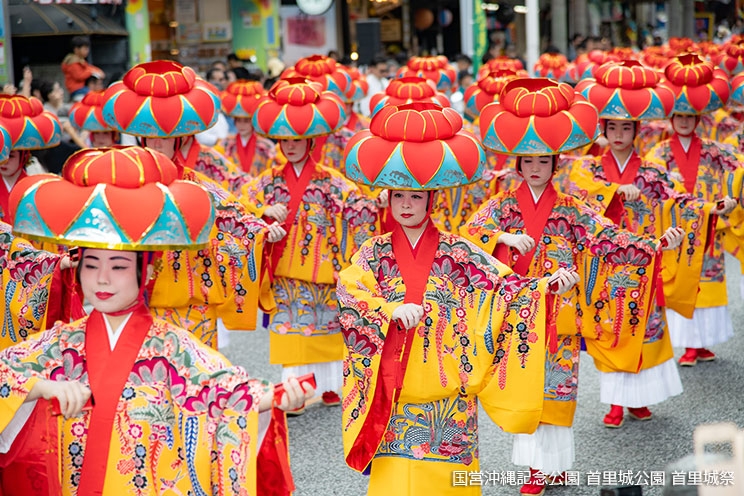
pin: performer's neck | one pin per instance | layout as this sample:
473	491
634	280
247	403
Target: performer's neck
623	155
414	233
685	141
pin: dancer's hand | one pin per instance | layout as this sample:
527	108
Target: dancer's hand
275	232
673	237
520	242
72	395
629	191
277	212
408	314
563	280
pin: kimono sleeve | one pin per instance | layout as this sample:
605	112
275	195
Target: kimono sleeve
583	183
483	228
359	219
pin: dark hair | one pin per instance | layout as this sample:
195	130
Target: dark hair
210	73
464	58
555	163
378	60
462	75
44	87
552	49
92	79
79	41
486	57
233	56
243	73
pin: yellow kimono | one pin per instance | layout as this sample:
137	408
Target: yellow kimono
186	421
481	341
717	173
596	180
194	288
27	276
610	305
264	153
332	219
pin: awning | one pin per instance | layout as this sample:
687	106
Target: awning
33	19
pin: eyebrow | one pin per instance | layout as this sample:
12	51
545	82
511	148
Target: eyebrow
116	257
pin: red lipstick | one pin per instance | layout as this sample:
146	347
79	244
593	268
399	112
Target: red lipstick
103	295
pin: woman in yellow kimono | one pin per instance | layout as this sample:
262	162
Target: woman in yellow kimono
208	290
433	325
640	198
710	172
326	218
535	230
251	152
166	413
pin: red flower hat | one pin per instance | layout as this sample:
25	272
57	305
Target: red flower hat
433	68
88	113
538	116
418	146
656	56
487	89
551	65
731	58
161	99
699	87
120	198
500	63
680	45
30	126
241	97
323	70
628	90
412	89
586	64
359	85
297	109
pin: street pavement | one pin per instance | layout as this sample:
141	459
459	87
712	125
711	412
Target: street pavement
641	450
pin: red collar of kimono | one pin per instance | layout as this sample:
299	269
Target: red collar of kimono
246	152
687	161
535	216
108	372
612	169
296	186
4	199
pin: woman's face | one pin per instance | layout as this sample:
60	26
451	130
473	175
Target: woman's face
295	150
620	134
409	207
684	125
166	146
109	279
12	166
537	171
57	95
244	125
102	139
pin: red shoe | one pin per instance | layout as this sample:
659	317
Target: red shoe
705	355
330	398
642	413
297	412
690	358
536	485
614	419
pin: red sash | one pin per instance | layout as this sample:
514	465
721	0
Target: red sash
5	196
246	152
317	153
189	160
612	170
108	371
415	266
687	162
535	216
296	186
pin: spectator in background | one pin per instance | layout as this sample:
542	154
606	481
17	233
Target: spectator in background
221	129
274	67
233	62
377	80
511	52
94	83
464	80
334	55
52	95
464	63
576	40
77	70
216	77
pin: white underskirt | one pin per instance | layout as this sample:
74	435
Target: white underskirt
707	327
647	387
550	449
329	376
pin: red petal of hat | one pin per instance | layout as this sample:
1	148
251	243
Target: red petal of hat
359	86
297	109
681	45
241	97
410	89
419	146
161	99
87	114
126	198
551	65
488	88
538	116
30	126
500	63
656	56
433	68
699	87
628	90
731	58
323	70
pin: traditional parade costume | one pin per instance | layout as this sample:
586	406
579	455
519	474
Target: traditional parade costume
708	171
87	114
609	308
168	414
411	396
180	105
251	152
630	92
30	128
551	65
435	68
193	289
327	221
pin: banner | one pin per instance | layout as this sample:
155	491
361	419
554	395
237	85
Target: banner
255	29
480	34
137	20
